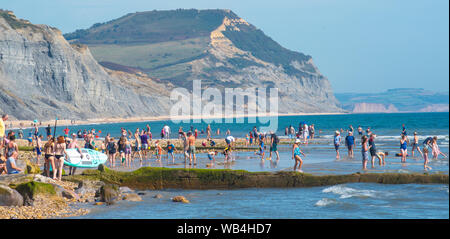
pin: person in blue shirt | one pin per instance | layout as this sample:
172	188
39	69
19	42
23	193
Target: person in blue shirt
404	130
11	164
170	149
350	142
337	143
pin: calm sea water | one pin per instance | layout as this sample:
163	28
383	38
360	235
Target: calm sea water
341	201
382	124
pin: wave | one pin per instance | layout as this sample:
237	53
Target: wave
347	192
325	202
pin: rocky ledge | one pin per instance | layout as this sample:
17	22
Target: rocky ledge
159	178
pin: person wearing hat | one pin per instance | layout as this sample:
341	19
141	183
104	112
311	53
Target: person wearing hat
415	145
337	142
296	155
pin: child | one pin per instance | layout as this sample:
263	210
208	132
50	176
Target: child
337	142
170	149
296	156
211	156
158	151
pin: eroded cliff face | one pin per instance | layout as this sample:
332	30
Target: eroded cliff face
43	76
235	54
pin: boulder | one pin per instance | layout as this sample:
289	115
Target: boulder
10	197
125	190
180	199
15	179
109	193
31	168
69	194
132	197
30	190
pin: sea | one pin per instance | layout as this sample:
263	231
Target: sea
355	200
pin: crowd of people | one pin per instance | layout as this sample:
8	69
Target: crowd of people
140	145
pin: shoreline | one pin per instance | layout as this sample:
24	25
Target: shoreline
15	124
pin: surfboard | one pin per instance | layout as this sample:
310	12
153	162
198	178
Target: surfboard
90	159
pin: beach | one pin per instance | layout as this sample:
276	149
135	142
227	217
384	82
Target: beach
320	160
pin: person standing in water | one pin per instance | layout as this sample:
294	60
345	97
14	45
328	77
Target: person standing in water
191	141
415	145
274	146
364	151
337	143
426	147
350	142
112	149
373	150
208	132
360	131
137	145
404	130
170	150
296	152
404	147
435	149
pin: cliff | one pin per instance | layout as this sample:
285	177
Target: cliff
215	46
43	76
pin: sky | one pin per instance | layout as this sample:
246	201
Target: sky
359	45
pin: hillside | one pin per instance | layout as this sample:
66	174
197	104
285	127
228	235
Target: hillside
396	100
216	46
42	76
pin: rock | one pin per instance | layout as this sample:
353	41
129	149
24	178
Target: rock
125	190
69	194
101	168
43	179
10	197
15	179
158	196
109	193
180	199
132	197
31	168
30	190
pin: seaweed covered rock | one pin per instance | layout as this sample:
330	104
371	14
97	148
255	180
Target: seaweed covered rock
31	168
109	193
154	178
30	190
10	197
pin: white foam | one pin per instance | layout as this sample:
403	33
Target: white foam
347	192
325	202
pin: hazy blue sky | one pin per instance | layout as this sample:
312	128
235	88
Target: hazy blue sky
360	45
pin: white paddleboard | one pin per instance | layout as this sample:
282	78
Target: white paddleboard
90	159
